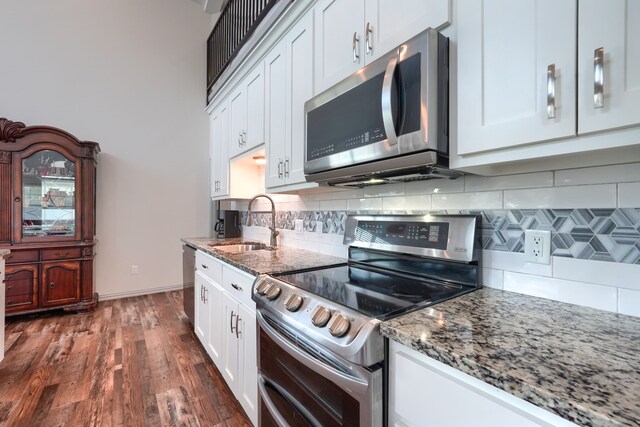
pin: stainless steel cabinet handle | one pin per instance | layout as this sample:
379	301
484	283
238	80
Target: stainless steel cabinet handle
236	287
231	318
387	116
598	78
237	329
244	137
205	295
239	139
356	47
201	293
368	38
286	167
551	91
280	169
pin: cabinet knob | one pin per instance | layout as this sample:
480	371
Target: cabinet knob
52	285
17	199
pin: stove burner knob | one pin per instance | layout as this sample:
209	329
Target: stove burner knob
320	316
273	292
293	302
339	325
263	287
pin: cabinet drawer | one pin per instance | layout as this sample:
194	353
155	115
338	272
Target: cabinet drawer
209	266
21	302
21	256
239	284
62	253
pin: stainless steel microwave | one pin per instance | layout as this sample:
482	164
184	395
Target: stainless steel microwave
386	122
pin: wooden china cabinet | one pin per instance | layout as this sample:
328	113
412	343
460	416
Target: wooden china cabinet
47	218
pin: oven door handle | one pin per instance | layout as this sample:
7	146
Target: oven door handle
352	385
387	113
271	407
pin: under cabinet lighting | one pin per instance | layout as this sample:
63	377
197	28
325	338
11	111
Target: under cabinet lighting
260	160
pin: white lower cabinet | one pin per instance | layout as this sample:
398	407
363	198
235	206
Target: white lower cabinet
226	326
424	392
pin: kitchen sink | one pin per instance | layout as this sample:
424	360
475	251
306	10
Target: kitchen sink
242	248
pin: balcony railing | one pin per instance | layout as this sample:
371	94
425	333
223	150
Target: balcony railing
238	20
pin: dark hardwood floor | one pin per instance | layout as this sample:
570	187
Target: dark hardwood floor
132	362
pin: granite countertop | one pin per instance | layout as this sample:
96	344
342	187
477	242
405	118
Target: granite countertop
579	363
277	260
4	252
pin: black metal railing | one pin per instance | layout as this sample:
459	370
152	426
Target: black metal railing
236	23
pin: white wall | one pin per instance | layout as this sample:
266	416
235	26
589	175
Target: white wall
604	285
129	74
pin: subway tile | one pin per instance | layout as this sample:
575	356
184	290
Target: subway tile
480	200
325	195
373	204
629	195
598	175
356	193
514	262
433	186
492	278
529	180
629	302
585	294
333	205
614	274
387	190
584	196
407	203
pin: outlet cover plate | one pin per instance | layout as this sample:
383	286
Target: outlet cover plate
537	246
319	228
299	226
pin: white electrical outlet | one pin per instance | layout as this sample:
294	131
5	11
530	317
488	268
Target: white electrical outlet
319	228
134	270
537	246
299	226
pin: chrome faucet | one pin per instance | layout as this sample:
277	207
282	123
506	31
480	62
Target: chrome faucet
273	242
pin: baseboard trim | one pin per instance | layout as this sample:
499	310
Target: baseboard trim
118	295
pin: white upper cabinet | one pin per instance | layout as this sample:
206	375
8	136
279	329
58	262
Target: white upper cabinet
350	34
614	26
275	126
390	23
246	110
218	151
516	72
338	44
289	83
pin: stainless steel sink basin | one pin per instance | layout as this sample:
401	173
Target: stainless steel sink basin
242	248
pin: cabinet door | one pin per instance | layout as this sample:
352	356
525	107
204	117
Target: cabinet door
247	392
299	53
219	151
213	296
237	120
201	309
254	127
229	356
390	23
338	40
275	114
21	287
613	26
60	283
504	50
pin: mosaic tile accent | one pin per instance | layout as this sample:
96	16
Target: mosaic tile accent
597	234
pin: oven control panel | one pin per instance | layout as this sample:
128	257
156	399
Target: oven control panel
433	235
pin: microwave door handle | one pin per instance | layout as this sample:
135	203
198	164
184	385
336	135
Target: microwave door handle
387	114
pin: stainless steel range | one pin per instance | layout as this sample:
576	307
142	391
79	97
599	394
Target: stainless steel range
320	350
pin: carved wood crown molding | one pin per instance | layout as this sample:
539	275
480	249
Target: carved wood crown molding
10	130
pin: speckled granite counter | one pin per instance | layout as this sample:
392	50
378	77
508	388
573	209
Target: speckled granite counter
264	261
579	363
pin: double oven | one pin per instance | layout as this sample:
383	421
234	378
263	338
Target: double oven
321	357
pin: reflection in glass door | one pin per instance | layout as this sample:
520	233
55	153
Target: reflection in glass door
48	195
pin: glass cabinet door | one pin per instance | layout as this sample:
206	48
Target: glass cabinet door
48	195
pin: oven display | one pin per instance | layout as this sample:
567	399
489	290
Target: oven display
430	235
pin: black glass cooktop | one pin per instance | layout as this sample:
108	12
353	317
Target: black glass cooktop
371	292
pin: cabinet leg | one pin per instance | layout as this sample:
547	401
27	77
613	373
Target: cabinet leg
84	306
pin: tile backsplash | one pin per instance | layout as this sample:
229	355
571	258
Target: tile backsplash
593	215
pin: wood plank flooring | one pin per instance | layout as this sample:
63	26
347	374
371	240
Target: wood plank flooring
132	362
